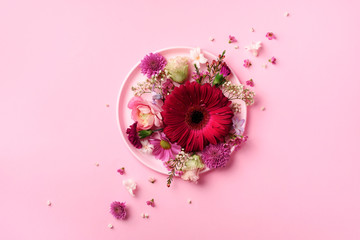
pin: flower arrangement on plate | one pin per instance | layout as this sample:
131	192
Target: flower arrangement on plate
186	113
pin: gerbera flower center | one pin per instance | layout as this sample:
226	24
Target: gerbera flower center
197	117
165	144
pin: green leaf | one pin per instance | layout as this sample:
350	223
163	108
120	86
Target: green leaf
145	133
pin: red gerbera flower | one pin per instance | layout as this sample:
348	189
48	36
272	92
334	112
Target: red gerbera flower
195	115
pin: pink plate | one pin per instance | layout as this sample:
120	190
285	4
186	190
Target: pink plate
123	112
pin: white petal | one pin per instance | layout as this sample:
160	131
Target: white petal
196	63
202	59
193	54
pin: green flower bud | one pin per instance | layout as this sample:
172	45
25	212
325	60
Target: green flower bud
145	133
178	69
219	80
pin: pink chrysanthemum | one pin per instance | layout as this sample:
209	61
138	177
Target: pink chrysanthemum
152	64
247	63
117	209
133	135
215	156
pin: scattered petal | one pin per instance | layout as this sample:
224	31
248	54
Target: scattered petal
130	185
270	35
254	48
232	39
151	203
146	215
143	215
264	66
262	108
286	14
247	63
152	179
121	171
110	226
211	39
48	203
236	47
189	201
97	164
272	60
250	82
252	30
107	105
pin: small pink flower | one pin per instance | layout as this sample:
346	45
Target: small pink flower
250	83
247	63
121	171
151	203
145	113
272	60
232	39
270	36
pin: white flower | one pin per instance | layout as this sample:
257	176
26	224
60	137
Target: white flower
197	57
191	175
130	185
254	48
147	147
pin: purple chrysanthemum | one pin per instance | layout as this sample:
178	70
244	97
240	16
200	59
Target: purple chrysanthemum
133	135
215	156
117	209
152	64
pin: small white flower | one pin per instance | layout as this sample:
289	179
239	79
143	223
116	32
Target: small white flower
147	147
254	48
197	57
130	185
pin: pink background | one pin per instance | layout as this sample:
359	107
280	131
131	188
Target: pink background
61	62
